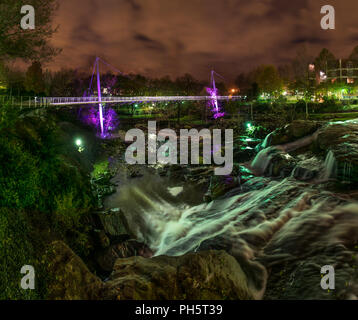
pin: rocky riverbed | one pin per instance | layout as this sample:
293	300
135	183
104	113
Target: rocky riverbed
264	232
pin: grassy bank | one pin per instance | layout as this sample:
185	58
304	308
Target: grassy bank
45	194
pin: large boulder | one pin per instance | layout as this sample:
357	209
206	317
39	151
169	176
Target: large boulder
114	223
340	140
69	278
207	275
106	258
244	149
273	162
220	185
296	130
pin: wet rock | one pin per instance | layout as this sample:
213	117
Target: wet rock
243	154
341	140
114	222
176	171
133	172
292	132
209	275
103	239
295	255
274	162
69	278
308	167
127	249
244	148
304	174
224	185
219	185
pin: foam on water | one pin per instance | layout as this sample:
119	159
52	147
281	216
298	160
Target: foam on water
269	223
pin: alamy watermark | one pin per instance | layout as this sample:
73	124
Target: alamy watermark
28	281
28	20
328	278
328	21
168	142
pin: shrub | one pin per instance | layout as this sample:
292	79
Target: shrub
15	252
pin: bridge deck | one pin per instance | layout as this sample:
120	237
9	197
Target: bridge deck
57	101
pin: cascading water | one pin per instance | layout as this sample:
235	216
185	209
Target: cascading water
264	223
330	166
263	159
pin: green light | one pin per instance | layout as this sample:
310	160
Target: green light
249	125
78	142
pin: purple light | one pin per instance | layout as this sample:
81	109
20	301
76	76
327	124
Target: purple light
91	117
213	103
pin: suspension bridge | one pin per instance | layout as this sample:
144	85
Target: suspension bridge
39	102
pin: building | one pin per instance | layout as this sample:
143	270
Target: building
342	71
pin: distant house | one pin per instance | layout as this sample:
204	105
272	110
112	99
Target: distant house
342	71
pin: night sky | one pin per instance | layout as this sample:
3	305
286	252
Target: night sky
173	37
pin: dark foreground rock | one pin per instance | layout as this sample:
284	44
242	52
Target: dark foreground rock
70	279
131	248
341	140
197	276
113	222
292	132
209	275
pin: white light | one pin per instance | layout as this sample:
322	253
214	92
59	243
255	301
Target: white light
78	142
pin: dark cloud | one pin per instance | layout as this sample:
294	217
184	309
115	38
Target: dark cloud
149	43
134	4
173	37
311	40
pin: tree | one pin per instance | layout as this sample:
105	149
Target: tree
243	82
323	58
300	65
3	76
354	54
34	81
268	80
286	73
26	44
187	85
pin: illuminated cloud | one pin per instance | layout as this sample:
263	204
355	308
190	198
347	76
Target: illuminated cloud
161	37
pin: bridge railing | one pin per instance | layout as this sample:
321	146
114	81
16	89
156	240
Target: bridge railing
104	100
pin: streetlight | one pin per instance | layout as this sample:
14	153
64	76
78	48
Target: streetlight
78	142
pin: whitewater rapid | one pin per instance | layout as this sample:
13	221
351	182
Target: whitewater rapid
264	223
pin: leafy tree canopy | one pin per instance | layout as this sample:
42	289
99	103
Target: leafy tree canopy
323	58
26	44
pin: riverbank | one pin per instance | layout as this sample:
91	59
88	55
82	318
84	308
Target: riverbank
126	232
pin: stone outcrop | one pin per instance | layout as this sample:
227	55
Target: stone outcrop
131	248
341	139
69	278
194	276
114	223
296	130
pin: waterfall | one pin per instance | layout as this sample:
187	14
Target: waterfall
263	159
330	166
267	142
347	171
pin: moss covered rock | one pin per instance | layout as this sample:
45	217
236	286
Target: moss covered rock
341	139
292	132
70	279
195	276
